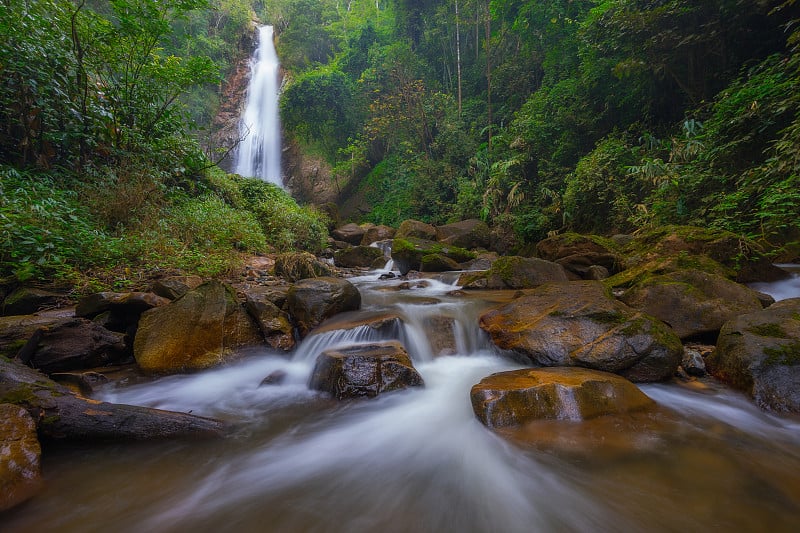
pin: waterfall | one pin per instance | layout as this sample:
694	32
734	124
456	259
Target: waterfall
259	154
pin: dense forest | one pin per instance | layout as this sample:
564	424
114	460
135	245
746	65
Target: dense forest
600	116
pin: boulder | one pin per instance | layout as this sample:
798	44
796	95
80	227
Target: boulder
294	266
273	322
311	301
358	256
415	229
579	323
514	272
127	303
349	233
27	300
60	414
484	261
408	253
519	396
17	329
470	234
577	253
174	287
377	233
73	344
196	331
759	353
364	371
692	302
20	456
437	263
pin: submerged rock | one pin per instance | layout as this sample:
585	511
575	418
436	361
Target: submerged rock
579	323
519	396
364	371
196	331
759	353
20	456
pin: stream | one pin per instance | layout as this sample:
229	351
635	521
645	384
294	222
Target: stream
418	460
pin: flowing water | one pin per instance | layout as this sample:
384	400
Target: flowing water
783	289
259	153
418	460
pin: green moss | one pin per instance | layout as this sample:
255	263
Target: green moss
608	317
785	354
769	330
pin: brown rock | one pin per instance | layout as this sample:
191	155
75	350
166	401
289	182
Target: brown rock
580	324
26	301
364	371
196	331
415	229
130	303
377	233
692	302
294	266
577	253
16	330
174	287
519	396
311	301
470	234
349	233
274	323
20	456
514	272
358	256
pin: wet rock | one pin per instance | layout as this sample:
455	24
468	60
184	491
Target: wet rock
440	332
693	363
377	233
692	302
484	261
415	229
273	322
275	378
579	323
407	253
514	272
294	266
765	299
437	263
358	256
73	344
27	300
60	414
349	233
311	301
196	331
759	353
83	382
519	396
577	253
596	273
364	371
20	456
469	234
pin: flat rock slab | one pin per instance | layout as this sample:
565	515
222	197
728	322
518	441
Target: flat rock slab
519	396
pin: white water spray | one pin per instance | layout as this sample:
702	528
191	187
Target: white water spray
259	154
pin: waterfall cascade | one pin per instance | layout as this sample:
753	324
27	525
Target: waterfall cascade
259	154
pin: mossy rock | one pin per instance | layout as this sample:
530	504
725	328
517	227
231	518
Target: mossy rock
358	256
514	272
408	253
416	229
659	266
294	266
437	263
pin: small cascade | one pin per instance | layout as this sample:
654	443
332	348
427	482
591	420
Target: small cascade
259	154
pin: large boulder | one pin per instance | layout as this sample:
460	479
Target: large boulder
294	266
61	414
578	253
364	371
127	303
579	323
273	322
72	345
692	302
514	272
472	233
377	233
198	330
759	353
744	257
415	229
349	233
437	263
28	300
311	301
20	456
358	256
407	253
519	396
174	287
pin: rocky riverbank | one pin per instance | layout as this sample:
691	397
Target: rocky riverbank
601	312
